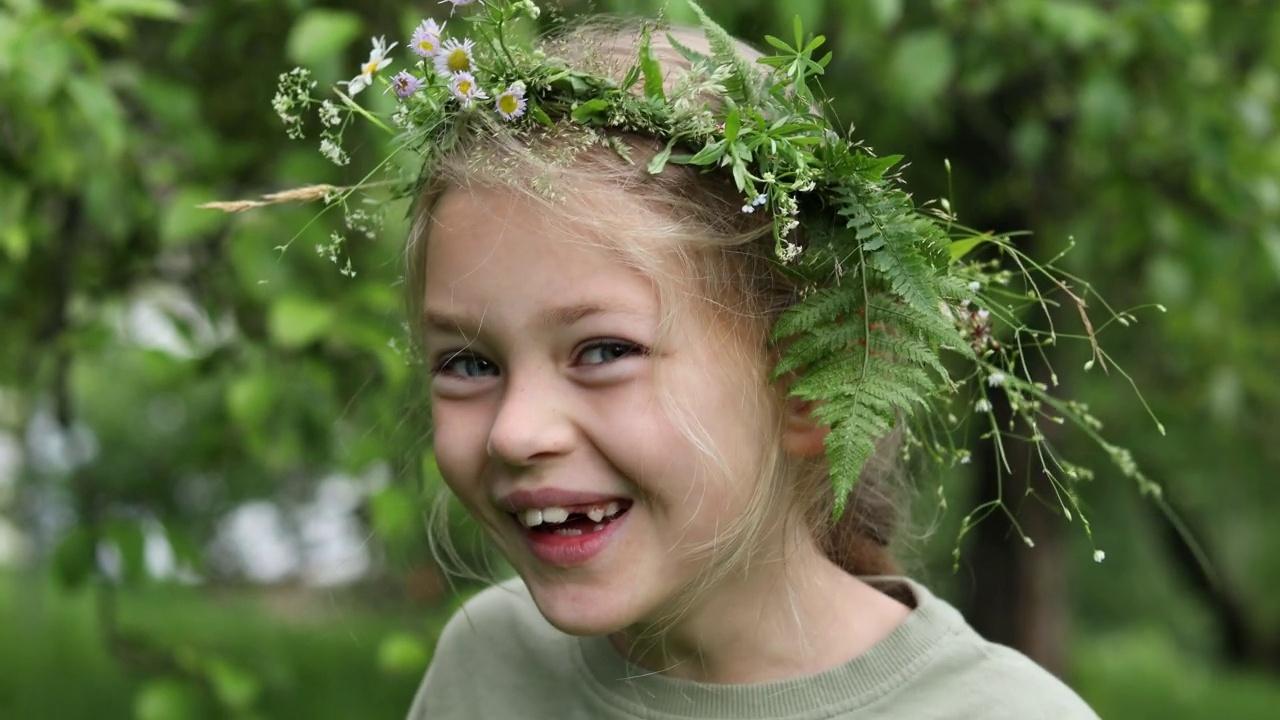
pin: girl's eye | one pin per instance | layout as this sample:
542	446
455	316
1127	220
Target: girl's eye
607	351
466	366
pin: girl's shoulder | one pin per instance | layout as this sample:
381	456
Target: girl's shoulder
958	669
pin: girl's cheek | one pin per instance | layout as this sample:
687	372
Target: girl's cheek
459	448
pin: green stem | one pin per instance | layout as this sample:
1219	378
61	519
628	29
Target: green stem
362	112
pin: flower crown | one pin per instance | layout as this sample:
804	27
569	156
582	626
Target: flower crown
890	291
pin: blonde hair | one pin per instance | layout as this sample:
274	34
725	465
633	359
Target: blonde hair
695	219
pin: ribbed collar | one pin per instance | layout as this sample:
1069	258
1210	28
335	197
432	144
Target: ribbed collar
858	682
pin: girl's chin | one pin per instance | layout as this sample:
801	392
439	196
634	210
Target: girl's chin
580	612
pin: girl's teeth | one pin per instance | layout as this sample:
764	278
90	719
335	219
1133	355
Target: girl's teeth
596	514
554	515
531	517
611	509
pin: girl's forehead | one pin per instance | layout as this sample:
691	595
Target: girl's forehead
492	244
597	225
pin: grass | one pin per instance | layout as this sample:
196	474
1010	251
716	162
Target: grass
1141	674
262	655
317	655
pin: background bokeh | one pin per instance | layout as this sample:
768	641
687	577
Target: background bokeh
213	473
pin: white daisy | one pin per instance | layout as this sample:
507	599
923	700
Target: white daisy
455	57
511	102
377	60
465	89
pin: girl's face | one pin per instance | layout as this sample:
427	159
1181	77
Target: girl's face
547	407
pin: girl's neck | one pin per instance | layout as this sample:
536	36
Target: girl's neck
781	620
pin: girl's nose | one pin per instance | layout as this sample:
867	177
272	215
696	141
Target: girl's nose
531	424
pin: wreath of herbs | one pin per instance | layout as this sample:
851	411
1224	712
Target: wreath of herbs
892	297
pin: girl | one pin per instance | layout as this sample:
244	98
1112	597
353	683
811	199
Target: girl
601	330
672	316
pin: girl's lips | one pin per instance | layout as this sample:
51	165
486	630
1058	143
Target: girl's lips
555	497
570	550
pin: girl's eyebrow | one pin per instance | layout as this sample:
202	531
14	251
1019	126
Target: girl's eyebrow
562	316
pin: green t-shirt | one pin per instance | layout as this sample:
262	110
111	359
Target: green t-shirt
498	658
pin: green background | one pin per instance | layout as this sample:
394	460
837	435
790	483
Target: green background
165	369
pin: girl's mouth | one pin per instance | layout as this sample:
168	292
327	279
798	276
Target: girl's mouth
571	535
574	519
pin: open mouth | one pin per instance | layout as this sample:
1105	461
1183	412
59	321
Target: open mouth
572	520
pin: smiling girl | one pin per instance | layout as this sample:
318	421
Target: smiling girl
601	330
676	323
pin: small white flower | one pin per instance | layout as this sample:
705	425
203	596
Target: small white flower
748	209
329	116
995	379
529	8
456	4
465	89
455	57
790	251
377	61
426	38
975	286
333	152
760	200
511	102
1099	556
982	406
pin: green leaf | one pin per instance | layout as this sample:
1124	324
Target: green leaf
732	124
780	44
295	321
590	110
875	167
710	153
659	161
320	34
633	74
959	248
652	70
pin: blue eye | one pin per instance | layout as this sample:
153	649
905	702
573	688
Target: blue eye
607	351
467	366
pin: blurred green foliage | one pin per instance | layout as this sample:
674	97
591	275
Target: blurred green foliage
162	365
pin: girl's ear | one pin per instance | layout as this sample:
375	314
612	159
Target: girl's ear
803	434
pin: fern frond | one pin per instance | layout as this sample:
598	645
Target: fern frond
740	85
890	237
